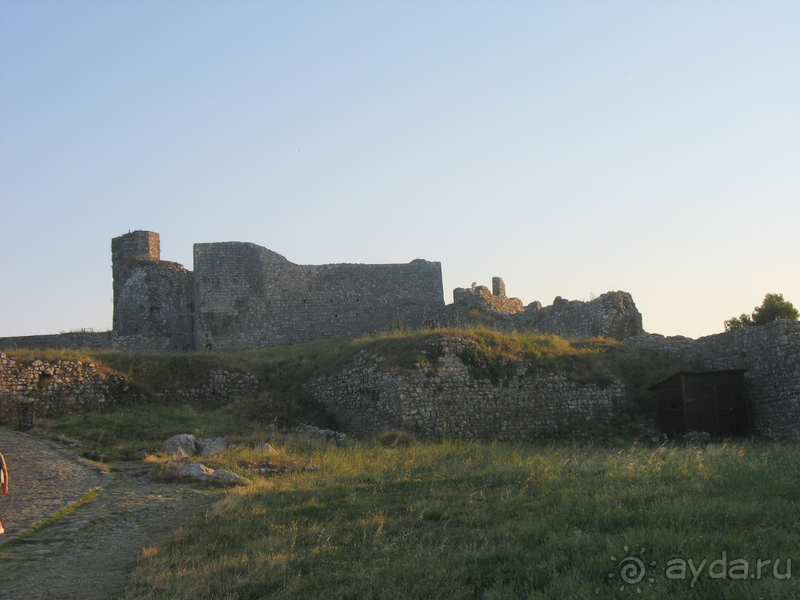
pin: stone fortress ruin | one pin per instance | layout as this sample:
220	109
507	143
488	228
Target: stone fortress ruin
242	296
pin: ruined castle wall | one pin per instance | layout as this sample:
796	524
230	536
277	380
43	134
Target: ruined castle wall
153	299
127	253
105	340
482	299
155	305
612	315
73	386
771	355
368	399
60	341
250	297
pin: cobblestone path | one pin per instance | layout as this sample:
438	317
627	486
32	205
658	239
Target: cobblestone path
88	553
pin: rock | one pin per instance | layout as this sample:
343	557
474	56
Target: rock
323	434
225	478
209	446
196	471
180	445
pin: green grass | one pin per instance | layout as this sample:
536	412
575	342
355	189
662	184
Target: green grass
283	372
128	433
448	519
444	518
283	401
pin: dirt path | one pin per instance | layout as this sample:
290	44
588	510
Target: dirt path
88	553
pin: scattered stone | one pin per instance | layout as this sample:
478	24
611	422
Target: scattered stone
225	478
193	470
323	434
209	446
180	445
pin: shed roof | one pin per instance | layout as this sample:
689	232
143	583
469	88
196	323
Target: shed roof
698	373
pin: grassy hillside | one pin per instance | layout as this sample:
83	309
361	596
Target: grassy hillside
397	517
283	371
140	425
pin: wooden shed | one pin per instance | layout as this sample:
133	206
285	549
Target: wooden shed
712	401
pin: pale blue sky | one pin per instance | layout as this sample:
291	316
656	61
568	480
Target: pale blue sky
571	148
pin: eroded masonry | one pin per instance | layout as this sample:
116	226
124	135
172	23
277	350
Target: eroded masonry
241	296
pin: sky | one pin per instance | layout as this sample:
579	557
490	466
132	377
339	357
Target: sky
571	148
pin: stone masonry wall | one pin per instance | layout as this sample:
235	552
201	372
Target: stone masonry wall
72	386
103	340
481	298
250	297
771	355
243	296
61	386
153	299
613	314
221	386
155	305
128	252
444	399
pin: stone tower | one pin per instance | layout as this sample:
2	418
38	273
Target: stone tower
153	298
127	253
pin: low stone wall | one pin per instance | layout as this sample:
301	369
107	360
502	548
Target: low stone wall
771	355
61	386
444	399
222	386
102	340
71	386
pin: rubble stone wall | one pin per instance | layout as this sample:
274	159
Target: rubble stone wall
103	340
771	355
62	386
612	315
221	387
367	398
72	386
153	298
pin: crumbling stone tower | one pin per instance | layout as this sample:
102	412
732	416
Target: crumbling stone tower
127	253
153	299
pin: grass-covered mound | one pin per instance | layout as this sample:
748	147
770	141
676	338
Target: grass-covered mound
491	355
281	400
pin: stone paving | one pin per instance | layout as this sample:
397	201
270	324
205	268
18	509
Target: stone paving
88	553
43	478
